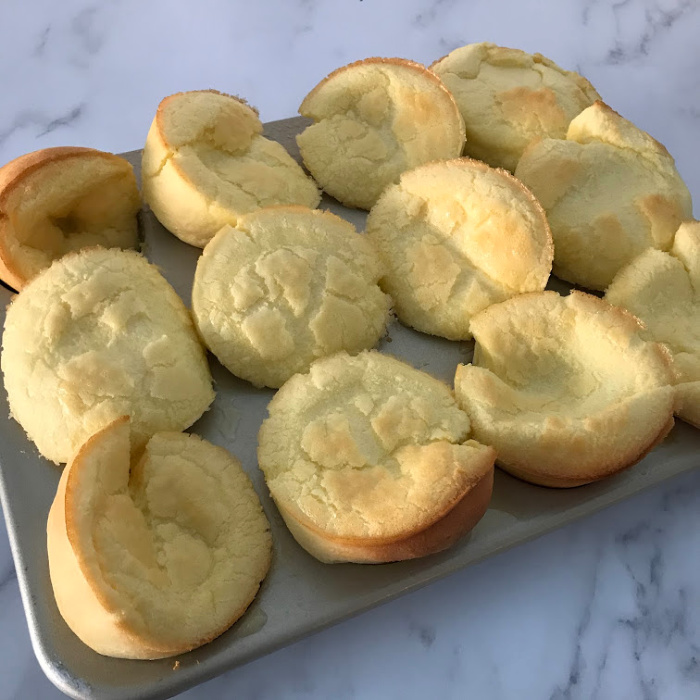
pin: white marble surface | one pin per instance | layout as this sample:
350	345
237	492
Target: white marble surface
606	608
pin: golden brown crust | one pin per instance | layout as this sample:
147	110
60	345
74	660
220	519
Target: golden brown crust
649	140
374	119
365	455
457	236
566	388
166	100
581	479
663	289
96	611
9	273
13	175
376	60
598	231
206	163
513	181
459	519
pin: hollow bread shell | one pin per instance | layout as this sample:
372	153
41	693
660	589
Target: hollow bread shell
153	555
57	200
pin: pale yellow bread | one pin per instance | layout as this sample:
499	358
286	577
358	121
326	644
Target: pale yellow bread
58	200
565	388
457	236
206	163
663	290
157	551
369	461
98	335
286	286
610	192
373	119
509	98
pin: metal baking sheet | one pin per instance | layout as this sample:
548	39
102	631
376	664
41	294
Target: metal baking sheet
300	595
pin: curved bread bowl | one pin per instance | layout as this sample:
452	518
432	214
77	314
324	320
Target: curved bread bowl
206	163
565	388
154	553
57	200
663	290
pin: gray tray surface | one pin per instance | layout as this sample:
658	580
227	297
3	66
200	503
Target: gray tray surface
300	595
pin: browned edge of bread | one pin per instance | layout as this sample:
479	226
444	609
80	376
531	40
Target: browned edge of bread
565	482
164	103
14	173
401	62
455	521
68	563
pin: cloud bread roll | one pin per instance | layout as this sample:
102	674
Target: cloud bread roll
565	388
509	98
663	290
206	163
158	551
610	192
373	119
369	461
286	286
59	200
457	236
98	335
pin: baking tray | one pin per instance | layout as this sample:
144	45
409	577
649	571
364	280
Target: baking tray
300	595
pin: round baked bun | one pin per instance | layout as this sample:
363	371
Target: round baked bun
373	119
58	200
206	163
663	290
155	552
610	192
99	335
286	286
509	98
368	461
565	388
455	237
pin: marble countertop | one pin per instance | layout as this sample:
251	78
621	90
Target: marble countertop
606	608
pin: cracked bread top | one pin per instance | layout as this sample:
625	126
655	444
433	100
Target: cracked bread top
508	98
368	448
98	335
58	200
373	119
155	551
286	286
610	192
455	237
663	290
206	163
